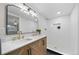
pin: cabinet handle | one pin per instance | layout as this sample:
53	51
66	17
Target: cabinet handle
30	53
43	43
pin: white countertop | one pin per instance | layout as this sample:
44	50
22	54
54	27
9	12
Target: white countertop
12	45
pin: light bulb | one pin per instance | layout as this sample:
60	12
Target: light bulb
9	25
15	23
59	12
33	13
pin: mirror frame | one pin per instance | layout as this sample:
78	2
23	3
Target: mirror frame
7	19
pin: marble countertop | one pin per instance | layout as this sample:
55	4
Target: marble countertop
12	45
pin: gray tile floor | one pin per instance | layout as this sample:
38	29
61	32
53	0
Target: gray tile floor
52	53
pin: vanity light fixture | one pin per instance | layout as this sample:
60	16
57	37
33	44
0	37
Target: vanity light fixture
32	13
27	12
20	5
35	14
26	9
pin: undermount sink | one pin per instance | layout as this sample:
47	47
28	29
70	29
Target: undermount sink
29	38
22	39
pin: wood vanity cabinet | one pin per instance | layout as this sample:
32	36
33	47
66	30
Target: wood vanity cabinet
35	48
39	47
20	51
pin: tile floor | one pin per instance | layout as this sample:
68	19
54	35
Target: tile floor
49	52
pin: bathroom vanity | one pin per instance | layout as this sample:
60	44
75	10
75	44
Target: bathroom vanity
16	22
36	46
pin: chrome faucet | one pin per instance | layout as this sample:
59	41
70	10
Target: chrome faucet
18	36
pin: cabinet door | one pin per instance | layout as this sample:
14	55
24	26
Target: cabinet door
39	47
24	50
21	51
43	46
35	48
15	52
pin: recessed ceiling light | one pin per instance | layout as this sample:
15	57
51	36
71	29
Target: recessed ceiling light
59	12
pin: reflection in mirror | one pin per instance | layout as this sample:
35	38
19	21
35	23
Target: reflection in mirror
18	20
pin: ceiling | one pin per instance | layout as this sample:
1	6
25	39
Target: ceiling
49	10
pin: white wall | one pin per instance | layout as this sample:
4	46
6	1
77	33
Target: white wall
65	40
42	24
2	21
27	25
74	24
78	28
60	39
2	18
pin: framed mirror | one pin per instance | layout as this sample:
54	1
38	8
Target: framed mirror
18	20
12	20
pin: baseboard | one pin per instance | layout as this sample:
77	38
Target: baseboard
54	52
